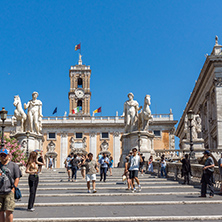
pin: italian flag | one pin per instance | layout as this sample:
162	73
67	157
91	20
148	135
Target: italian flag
76	110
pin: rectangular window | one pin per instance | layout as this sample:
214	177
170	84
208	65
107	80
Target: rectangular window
51	136
78	135
105	135
157	132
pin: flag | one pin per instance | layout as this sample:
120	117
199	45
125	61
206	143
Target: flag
78	47
55	111
76	110
99	110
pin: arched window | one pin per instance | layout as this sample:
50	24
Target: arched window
79	104
79	82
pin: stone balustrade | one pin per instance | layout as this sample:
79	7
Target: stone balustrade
196	169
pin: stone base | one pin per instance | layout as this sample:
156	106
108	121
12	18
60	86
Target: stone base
198	146
131	140
34	142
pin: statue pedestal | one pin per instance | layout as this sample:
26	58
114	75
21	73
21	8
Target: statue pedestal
131	140
198	147
34	142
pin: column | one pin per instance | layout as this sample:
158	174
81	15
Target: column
116	148
218	94
63	148
93	145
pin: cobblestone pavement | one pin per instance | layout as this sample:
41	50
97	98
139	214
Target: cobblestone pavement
160	200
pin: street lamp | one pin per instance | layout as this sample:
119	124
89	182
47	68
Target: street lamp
27	148
139	141
3	114
190	116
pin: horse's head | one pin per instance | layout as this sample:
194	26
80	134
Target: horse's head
147	100
17	100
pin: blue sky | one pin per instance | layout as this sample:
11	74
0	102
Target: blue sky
144	47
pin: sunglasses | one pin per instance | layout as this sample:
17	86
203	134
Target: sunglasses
3	155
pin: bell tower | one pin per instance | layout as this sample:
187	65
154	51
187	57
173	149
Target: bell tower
79	93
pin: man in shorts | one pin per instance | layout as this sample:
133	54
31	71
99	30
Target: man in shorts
91	170
134	168
7	200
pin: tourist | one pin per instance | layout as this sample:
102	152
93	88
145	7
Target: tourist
134	164
207	176
220	168
50	165
110	165
163	166
130	153
32	170
141	162
40	166
7	201
68	166
104	162
126	173
74	166
83	166
91	169
186	169
150	164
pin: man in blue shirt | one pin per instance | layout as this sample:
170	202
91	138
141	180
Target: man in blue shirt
104	162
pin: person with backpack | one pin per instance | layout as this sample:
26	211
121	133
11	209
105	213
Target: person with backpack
32	170
186	169
74	163
9	177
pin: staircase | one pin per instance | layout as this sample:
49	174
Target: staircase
160	200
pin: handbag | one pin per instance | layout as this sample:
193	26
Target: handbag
17	194
124	178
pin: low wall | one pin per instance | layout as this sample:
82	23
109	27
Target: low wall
196	169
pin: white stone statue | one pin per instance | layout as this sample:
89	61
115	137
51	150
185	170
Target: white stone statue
72	144
104	146
130	112
196	126
51	147
145	115
19	114
34	120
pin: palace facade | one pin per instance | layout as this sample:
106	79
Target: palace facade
206	100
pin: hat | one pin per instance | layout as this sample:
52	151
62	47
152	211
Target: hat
4	151
207	152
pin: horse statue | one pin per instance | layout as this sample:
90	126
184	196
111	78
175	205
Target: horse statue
145	115
19	113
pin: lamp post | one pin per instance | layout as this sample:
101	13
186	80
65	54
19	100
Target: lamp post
139	141
190	116
3	114
27	149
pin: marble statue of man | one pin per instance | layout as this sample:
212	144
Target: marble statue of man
130	112
34	114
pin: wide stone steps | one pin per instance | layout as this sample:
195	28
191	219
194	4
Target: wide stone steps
160	200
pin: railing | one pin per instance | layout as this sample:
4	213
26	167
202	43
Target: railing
196	169
156	117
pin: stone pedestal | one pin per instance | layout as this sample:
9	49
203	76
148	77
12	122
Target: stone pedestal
131	140
34	141
198	147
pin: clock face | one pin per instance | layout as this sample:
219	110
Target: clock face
79	93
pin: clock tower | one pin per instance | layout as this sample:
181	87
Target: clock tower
79	94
